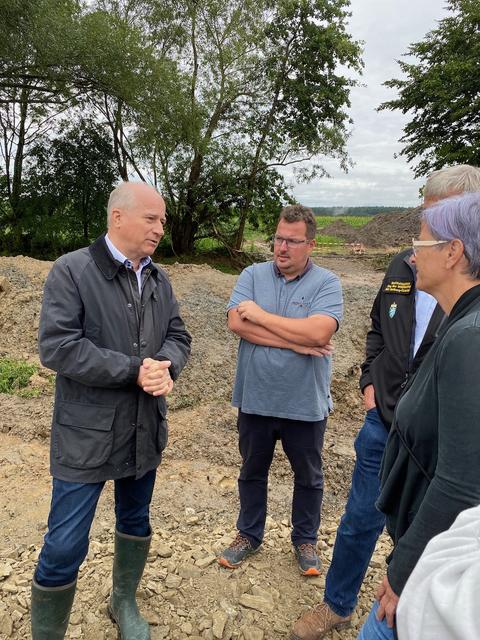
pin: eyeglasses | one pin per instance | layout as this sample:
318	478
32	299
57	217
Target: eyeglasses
290	242
416	244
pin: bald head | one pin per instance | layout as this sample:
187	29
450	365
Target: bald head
136	219
126	195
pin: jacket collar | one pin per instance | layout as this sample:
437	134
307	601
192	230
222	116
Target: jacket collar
463	304
106	262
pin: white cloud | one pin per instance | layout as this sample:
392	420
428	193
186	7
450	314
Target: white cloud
387	27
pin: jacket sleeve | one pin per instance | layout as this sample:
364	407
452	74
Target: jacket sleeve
176	346
456	483
62	343
374	343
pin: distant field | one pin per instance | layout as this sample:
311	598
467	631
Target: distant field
353	221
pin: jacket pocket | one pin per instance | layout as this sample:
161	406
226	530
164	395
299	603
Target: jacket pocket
82	436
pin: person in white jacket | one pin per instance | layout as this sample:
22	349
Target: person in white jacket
440	600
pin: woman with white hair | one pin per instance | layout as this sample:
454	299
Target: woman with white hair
431	466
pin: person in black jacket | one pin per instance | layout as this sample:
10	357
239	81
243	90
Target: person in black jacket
431	462
111	330
405	322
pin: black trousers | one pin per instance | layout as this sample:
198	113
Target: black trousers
302	443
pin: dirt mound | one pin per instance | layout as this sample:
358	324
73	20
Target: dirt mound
341	229
391	229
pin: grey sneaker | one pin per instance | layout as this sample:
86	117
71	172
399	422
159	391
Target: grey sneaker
307	559
317	622
233	556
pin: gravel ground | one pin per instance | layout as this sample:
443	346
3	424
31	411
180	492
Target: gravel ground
185	594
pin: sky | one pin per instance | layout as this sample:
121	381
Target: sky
387	27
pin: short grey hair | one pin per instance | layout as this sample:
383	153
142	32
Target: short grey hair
458	218
448	181
121	197
299	213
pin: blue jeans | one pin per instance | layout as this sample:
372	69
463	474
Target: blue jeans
302	443
71	515
362	523
372	629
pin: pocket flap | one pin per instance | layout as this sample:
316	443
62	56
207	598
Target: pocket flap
86	416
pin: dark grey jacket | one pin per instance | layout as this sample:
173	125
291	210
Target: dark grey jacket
94	332
430	469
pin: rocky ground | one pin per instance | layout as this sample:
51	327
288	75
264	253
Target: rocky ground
184	594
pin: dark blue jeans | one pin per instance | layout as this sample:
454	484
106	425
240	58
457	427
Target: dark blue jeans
362	523
71	515
302	443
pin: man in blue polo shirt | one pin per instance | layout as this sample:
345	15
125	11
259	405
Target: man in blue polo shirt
285	313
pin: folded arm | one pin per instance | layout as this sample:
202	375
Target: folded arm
314	331
257	334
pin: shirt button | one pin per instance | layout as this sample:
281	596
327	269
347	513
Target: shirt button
129	305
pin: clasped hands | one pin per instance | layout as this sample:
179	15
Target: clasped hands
154	377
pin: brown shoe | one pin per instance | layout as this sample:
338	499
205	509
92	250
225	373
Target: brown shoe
316	622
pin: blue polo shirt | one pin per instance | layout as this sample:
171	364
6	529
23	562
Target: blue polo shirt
279	382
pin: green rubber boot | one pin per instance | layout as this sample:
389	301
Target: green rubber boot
128	565
51	608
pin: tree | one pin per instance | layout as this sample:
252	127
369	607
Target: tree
33	84
55	55
442	92
67	185
258	77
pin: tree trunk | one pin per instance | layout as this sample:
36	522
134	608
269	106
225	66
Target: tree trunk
16	189
183	231
241	228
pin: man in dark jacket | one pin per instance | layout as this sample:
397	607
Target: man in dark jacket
405	322
111	329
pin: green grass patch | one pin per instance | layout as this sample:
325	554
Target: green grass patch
207	244
353	221
324	239
15	377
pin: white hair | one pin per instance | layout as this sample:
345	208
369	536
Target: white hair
121	197
460	178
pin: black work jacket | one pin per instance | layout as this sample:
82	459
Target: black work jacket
389	363
95	330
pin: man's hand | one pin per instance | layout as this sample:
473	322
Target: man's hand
154	377
250	310
326	350
369	397
388	601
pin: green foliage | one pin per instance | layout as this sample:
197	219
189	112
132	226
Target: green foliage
67	187
261	89
354	221
15	376
441	92
207	99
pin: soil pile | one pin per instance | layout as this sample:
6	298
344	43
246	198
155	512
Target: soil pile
391	229
184	594
340	229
